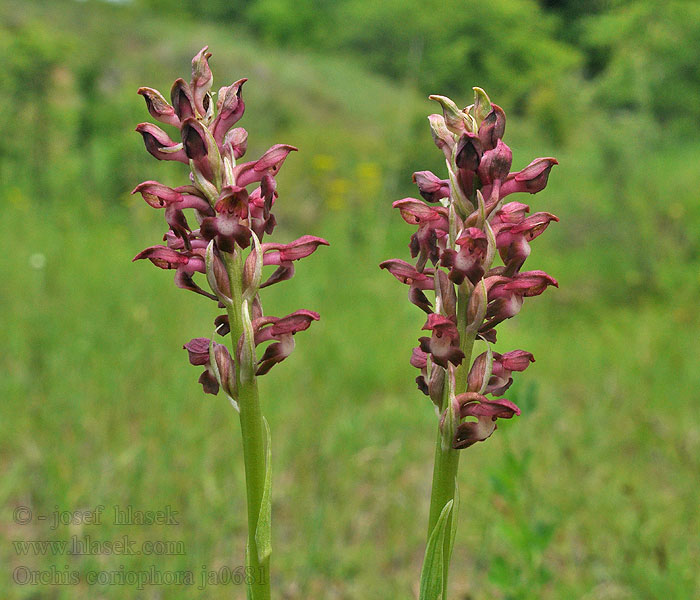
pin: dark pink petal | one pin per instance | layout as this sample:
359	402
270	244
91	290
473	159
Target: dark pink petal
162	257
530	283
230	107
442	349
468	260
470	433
222	325
209	383
156	141
183	103
198	350
268	164
513	212
272	160
156	194
419	359
492	128
440	323
495	164
415	212
233	200
486	412
200	147
282	273
531	179
184	281
201	80
534	225
273	328
503	367
158	107
178	223
275	353
431	187
408	274
499	408
293	323
469	152
417	297
516	360
306	245
443	345
237	141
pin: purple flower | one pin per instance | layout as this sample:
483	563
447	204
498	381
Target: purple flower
461	236
223	371
468	261
232	202
227	227
514	232
230	108
281	331
201	81
471	404
432	386
431	187
502	366
282	255
443	344
506	294
416	280
531	179
432	226
159	144
158	107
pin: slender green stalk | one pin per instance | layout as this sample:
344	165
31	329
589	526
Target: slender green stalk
447	458
253	434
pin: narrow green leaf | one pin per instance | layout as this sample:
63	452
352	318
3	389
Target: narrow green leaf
453	522
263	537
431	575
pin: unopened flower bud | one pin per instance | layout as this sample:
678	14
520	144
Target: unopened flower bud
495	164
226	369
492	127
455	119
158	107
183	103
482	105
201	81
201	149
476	309
479	374
230	107
237	141
469	152
442	136
431	187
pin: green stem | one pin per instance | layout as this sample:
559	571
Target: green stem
446	458
252	433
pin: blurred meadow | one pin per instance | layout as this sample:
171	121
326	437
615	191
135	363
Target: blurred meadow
592	494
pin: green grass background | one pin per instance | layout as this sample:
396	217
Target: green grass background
591	494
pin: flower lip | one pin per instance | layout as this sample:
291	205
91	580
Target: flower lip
274	157
159	144
408	274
